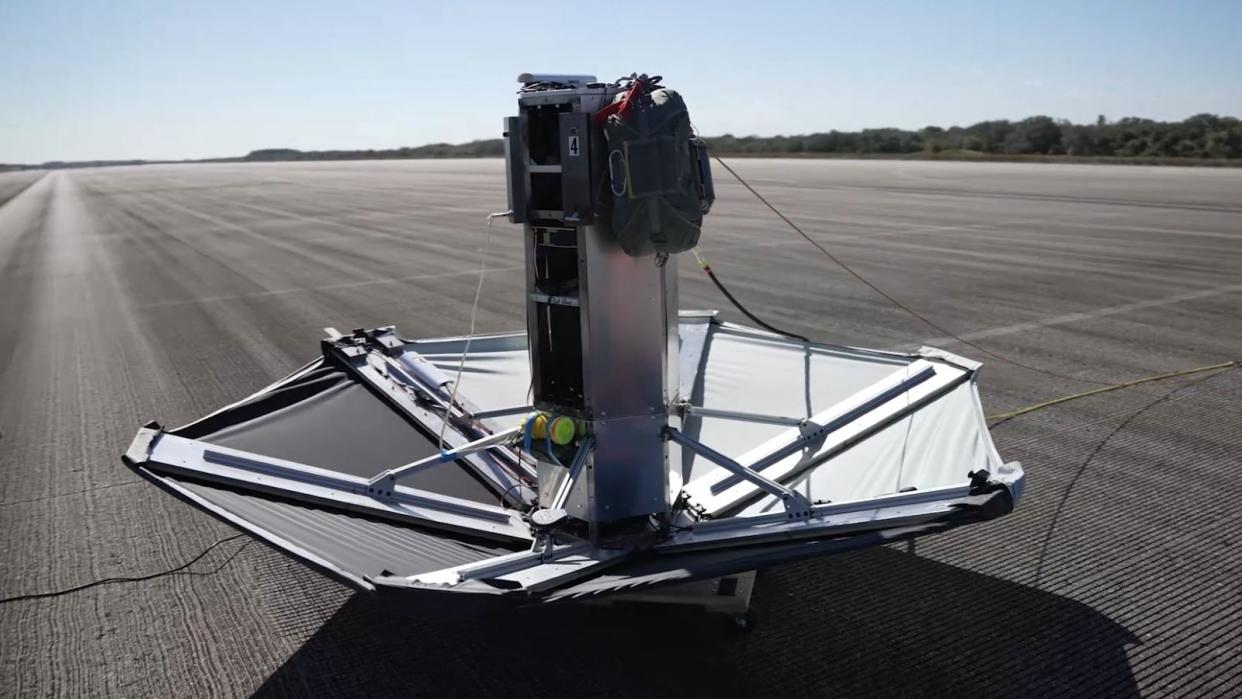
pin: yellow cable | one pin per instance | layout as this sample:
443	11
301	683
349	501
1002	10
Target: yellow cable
1065	399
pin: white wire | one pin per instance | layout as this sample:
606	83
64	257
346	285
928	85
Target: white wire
474	308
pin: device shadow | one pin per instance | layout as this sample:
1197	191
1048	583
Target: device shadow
875	622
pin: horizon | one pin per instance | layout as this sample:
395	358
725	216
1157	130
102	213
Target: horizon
134	80
344	149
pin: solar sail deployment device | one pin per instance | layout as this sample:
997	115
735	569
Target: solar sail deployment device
617	444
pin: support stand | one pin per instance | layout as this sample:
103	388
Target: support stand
728	596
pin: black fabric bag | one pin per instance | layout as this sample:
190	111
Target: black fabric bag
656	172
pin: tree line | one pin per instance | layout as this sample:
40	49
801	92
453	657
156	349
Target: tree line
1199	136
1206	137
489	148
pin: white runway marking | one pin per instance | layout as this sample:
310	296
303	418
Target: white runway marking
1090	315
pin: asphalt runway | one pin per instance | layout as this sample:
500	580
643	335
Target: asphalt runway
129	294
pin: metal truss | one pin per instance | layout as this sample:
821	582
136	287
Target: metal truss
163	453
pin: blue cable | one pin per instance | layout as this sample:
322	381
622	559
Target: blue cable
548	438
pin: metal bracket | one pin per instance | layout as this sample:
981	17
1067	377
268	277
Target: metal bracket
544	566
898	509
575	468
502	412
795	503
687	410
392	369
499	439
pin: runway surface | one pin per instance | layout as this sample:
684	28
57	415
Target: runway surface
129	294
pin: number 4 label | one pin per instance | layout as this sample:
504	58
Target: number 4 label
573	143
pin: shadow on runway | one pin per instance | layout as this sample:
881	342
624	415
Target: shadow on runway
876	622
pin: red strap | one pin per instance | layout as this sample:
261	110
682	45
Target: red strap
625	104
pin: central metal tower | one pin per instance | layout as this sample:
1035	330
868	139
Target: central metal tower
586	298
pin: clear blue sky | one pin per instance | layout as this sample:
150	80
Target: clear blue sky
132	78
